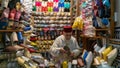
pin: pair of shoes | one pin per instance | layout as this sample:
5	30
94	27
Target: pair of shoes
5	13
13	39
15	15
4	3
3	23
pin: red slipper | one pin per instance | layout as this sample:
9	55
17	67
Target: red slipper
12	14
95	10
17	15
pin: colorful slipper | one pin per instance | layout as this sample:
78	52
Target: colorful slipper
5	13
18	6
17	15
12	14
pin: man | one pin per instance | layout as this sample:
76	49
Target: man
65	44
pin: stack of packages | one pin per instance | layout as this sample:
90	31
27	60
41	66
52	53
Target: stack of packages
105	55
101	57
117	60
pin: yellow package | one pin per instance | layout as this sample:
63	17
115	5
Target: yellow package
78	23
105	52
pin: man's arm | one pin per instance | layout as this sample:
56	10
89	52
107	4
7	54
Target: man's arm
55	49
76	51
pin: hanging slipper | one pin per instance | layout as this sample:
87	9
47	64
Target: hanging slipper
48	4
97	2
107	12
95	10
41	33
34	8
5	13
20	37
55	0
7	40
17	15
105	21
18	6
55	4
10	24
61	1
95	23
14	38
84	4
55	9
101	12
27	28
4	3
11	4
32	50
51	4
12	14
100	23
66	5
15	25
37	3
106	3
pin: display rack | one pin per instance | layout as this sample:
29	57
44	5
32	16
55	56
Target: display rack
11	30
49	25
106	30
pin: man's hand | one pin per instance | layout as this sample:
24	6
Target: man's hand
62	50
72	54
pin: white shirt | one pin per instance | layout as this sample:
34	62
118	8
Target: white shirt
60	42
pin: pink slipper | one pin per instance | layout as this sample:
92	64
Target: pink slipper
5	13
17	15
12	14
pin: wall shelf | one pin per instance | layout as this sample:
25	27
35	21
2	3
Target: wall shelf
94	37
102	29
11	30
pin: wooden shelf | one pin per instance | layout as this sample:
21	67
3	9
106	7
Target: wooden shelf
114	41
91	37
102	29
11	30
52	23
117	43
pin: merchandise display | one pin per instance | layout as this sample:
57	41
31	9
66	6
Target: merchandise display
49	25
58	34
51	6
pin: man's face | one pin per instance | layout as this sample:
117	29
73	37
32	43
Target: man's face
67	35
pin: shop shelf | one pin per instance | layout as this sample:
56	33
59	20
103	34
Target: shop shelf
11	30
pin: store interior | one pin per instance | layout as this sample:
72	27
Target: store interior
30	31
